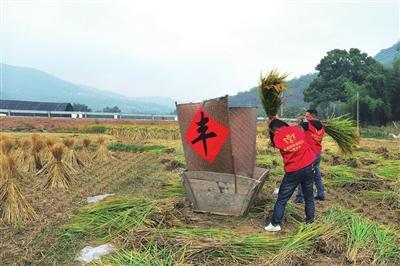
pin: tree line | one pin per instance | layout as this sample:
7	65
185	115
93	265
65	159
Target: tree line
79	107
342	74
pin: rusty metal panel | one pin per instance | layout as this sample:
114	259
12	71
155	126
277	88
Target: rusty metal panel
218	110
215	192
243	121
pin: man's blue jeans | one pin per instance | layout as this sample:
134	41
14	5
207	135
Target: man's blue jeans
290	181
317	180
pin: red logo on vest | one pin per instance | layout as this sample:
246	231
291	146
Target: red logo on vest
206	136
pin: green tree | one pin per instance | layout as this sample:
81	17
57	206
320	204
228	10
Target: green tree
114	109
344	73
81	107
393	89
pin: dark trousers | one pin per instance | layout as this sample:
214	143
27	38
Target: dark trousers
317	180
290	181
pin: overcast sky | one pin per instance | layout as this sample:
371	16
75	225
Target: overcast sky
187	50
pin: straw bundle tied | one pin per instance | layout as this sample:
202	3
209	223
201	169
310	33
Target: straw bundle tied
13	205
271	87
34	163
86	153
6	146
71	157
60	174
343	131
23	152
50	141
102	153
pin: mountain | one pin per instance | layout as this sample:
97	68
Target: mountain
388	55
23	83
294	96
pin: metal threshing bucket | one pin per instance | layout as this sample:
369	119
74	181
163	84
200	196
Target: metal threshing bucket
220	151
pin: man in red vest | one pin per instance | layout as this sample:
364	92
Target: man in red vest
298	158
315	132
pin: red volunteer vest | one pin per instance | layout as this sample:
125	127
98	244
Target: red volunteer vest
314	137
295	151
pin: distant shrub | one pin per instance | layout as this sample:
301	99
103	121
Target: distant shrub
95	129
378	132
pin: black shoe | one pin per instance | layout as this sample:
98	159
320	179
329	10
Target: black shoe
309	221
319	198
298	200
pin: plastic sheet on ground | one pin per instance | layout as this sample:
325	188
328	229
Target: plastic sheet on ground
97	198
89	254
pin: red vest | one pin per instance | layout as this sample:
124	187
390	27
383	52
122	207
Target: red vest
314	137
295	151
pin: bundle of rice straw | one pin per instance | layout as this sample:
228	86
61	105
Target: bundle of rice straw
271	87
343	131
85	153
23	152
102	153
71	157
34	163
50	141
13	205
60	174
6	146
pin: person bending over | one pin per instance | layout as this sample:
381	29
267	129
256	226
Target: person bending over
298	158
315	132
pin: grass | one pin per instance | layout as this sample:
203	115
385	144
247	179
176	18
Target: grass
388	197
143	231
378	132
136	148
112	217
95	129
390	170
174	188
366	241
151	254
344	176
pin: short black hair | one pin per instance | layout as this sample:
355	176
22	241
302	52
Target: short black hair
275	124
313	112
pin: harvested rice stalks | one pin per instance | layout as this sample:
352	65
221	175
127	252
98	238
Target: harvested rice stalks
6	146
22	153
60	174
86	152
71	157
34	163
271	87
102	154
13	205
344	132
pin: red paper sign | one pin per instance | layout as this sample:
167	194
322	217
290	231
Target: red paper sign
206	136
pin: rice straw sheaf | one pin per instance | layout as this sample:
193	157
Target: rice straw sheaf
102	154
86	152
343	131
59	174
13	205
6	146
271	87
34	163
71	157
